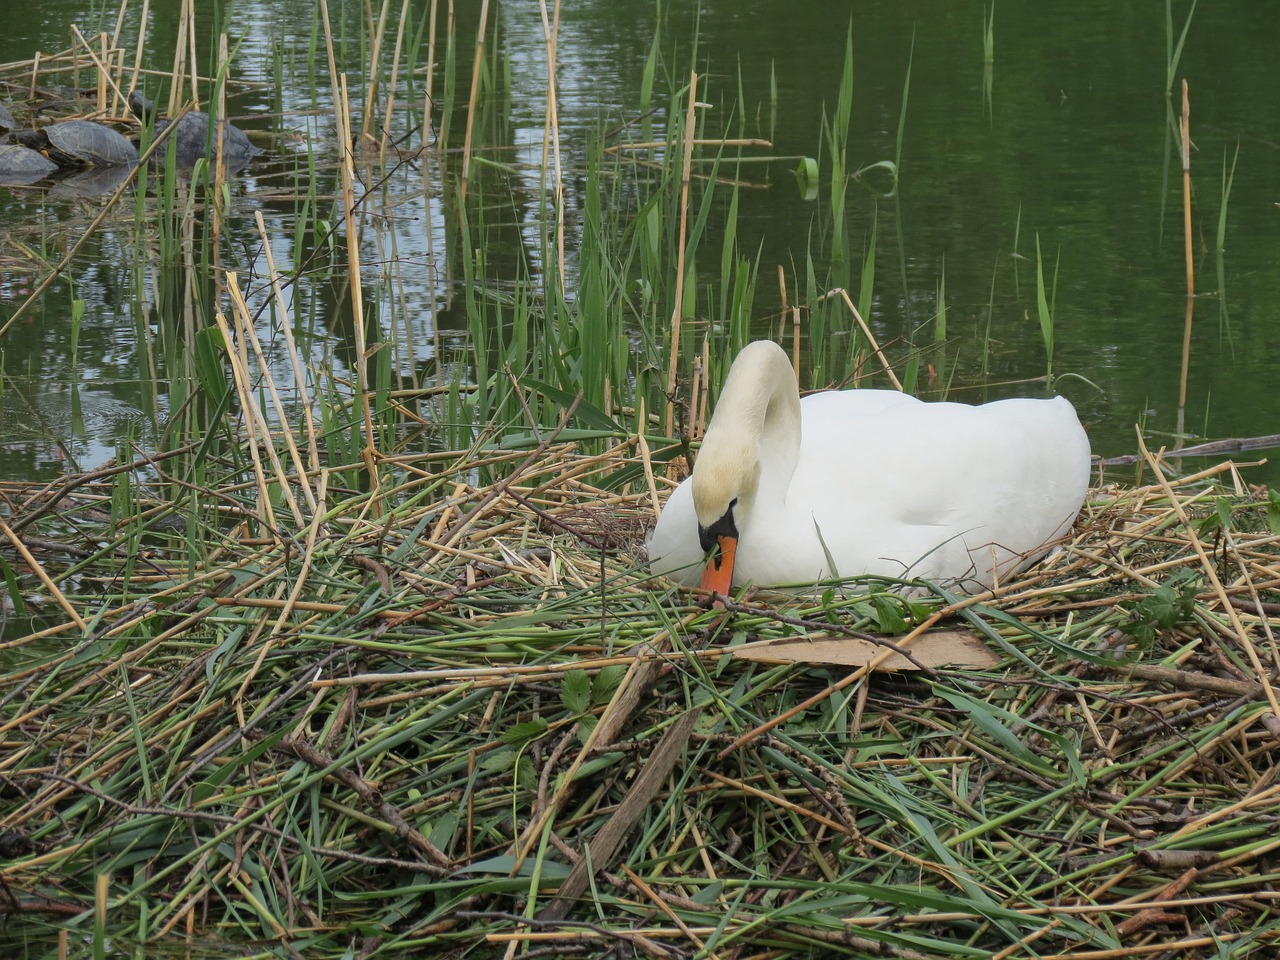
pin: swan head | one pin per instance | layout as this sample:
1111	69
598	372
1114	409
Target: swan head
754	433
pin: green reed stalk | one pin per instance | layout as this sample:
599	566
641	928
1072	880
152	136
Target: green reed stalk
837	146
940	317
1045	307
1228	178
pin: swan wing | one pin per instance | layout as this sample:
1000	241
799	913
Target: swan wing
889	485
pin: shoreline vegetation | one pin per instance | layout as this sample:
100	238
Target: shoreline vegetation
358	663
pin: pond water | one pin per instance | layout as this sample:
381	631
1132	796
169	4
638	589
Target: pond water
1062	136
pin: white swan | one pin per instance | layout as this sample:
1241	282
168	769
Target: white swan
856	482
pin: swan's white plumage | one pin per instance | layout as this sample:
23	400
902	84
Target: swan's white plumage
873	482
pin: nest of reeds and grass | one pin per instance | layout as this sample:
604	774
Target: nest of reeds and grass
450	712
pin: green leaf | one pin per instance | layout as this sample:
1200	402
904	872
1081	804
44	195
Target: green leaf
445	828
500	761
879	168
1171	604
505	865
598	763
77	315
15	591
1043	309
519	734
1223	507
592	416
807	178
210	346
575	692
605	682
888	613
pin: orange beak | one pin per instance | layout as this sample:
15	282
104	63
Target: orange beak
718	576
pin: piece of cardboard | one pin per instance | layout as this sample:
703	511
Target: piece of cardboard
937	648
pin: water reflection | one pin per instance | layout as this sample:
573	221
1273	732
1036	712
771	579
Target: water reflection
1060	135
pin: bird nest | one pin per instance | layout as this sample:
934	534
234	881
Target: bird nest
453	715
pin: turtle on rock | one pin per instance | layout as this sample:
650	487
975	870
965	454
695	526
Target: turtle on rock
79	143
194	136
21	165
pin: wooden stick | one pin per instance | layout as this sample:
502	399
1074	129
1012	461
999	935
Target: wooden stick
606	840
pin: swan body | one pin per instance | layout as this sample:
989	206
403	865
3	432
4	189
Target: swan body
868	482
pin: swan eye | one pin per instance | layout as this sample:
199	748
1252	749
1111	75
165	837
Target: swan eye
708	537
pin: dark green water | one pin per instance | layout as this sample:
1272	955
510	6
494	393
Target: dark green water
1065	136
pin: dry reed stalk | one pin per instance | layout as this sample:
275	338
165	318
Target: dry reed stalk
696	391
178	72
44	578
551	134
330	56
355	283
103	72
32	66
876	351
119	28
783	314
100	86
312	468
392	84
646	461
247	333
35	73
140	45
476	70
371	93
258	434
677	308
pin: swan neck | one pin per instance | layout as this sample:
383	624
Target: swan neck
763	400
